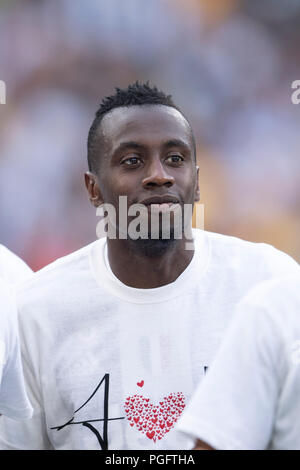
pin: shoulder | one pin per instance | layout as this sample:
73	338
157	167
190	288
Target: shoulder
280	287
234	251
5	253
12	268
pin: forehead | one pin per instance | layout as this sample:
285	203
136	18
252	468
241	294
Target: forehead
147	124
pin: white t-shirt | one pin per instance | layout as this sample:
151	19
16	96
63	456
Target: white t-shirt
12	269
108	365
250	399
13	400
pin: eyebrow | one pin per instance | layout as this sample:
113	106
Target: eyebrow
177	143
134	145
129	145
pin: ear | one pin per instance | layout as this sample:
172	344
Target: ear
197	190
92	186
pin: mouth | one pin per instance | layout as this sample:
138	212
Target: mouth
160	200
160	203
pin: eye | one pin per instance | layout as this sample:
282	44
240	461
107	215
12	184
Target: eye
175	158
132	161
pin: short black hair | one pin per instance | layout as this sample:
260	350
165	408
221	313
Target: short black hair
135	94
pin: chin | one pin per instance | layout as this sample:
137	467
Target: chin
154	247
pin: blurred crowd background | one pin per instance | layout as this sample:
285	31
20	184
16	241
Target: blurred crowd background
229	65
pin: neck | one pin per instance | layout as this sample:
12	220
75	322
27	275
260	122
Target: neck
147	266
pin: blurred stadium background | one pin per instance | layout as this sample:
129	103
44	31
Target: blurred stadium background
228	63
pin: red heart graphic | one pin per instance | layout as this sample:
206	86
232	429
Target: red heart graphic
155	424
141	383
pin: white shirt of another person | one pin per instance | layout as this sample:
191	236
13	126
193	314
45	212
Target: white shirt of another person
12	269
13	399
250	399
108	366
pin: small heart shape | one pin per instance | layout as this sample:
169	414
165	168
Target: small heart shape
150	434
141	383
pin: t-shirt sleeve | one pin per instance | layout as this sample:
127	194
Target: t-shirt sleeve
30	434
235	406
13	398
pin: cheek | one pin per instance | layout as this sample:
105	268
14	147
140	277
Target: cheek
119	184
125	184
187	183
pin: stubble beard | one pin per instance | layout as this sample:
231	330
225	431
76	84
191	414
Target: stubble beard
154	247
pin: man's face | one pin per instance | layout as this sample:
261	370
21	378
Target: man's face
145	152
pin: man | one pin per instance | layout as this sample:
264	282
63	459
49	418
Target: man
250	398
12	269
13	399
116	336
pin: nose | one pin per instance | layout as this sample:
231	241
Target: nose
157	176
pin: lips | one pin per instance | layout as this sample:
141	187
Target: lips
156	204
166	199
